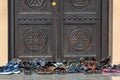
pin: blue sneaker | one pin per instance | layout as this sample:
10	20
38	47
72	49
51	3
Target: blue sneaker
37	63
16	68
11	68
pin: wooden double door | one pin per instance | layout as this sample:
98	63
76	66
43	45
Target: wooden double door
68	29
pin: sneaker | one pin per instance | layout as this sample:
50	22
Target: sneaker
71	69
78	69
11	68
37	63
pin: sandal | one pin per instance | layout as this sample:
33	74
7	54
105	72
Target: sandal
46	70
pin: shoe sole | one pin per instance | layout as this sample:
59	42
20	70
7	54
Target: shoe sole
6	73
9	73
17	72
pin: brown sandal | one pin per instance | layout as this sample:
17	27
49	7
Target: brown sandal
46	70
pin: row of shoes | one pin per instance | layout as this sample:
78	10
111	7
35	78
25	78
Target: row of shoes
43	66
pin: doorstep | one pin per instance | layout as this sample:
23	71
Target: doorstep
71	76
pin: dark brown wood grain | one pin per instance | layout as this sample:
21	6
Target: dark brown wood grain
69	30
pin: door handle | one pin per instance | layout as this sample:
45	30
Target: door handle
53	3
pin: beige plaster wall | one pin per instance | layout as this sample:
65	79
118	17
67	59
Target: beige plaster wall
116	31
4	31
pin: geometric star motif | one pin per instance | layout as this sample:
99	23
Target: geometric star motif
35	3
80	39
80	3
35	40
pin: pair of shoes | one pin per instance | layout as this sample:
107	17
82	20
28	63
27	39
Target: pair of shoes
13	67
46	70
105	62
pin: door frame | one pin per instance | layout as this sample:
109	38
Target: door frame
106	43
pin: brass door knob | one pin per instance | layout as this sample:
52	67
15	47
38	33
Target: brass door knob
54	3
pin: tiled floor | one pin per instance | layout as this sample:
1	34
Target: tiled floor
71	76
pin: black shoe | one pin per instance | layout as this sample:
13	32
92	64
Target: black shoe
27	68
105	61
28	71
60	70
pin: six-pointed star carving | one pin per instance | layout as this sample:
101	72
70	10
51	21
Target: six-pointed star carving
36	2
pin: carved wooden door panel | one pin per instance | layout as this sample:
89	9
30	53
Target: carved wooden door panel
69	30
33	29
81	28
